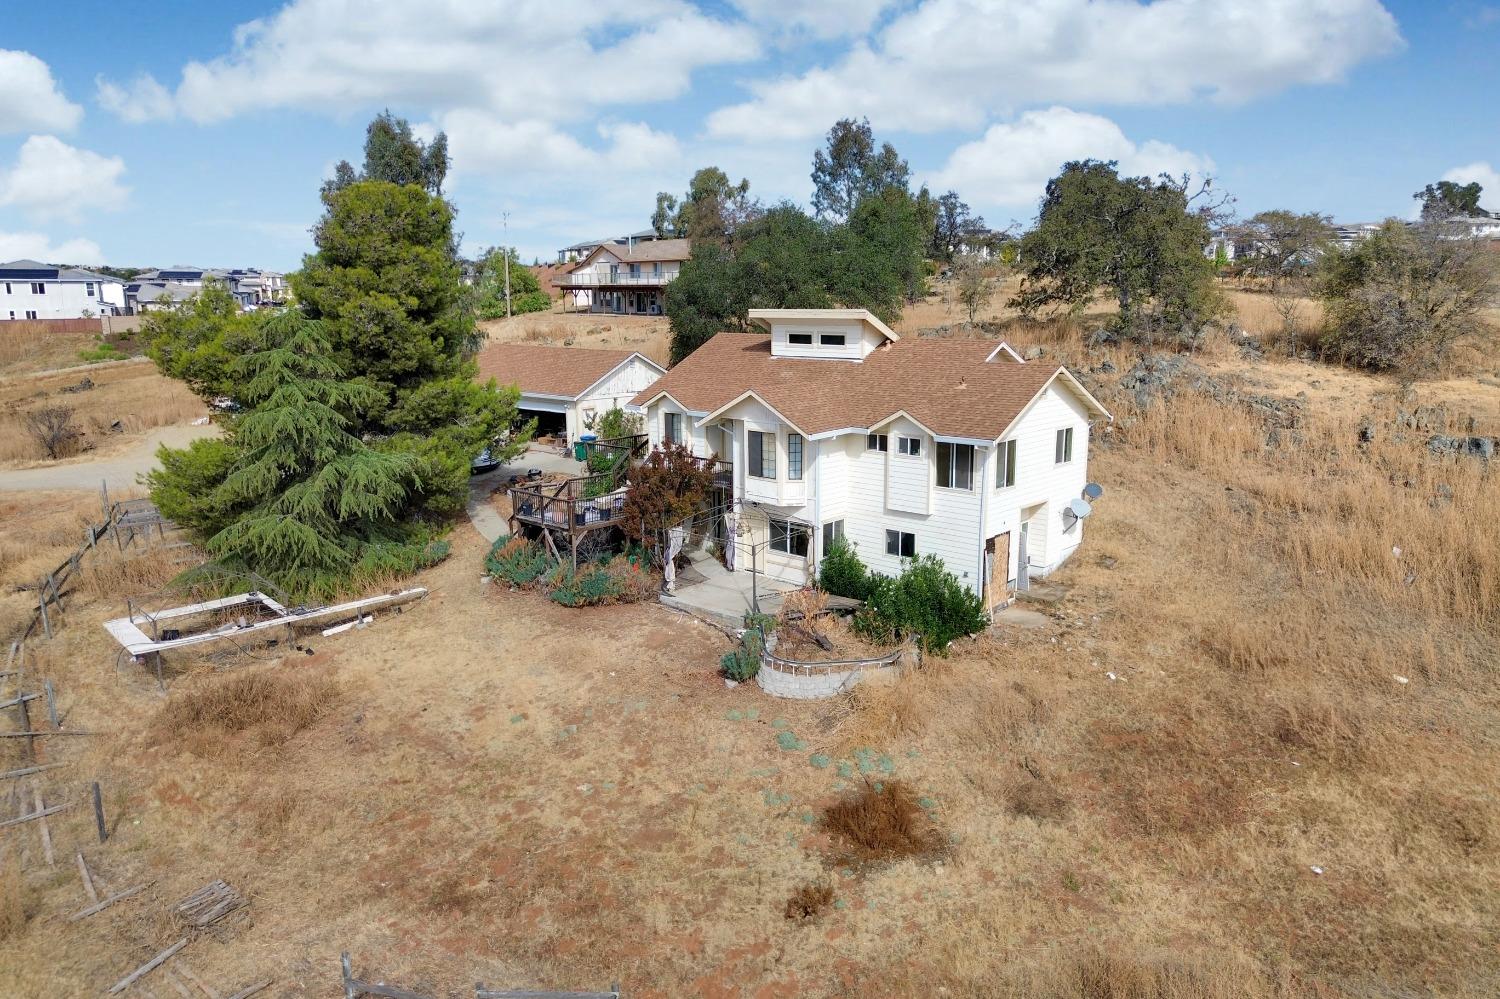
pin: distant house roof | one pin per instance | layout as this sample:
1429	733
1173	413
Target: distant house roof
648	251
948	386
563	372
155	291
37	271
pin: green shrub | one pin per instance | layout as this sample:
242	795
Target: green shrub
528	565
517	561
102	352
842	573
743	662
926	602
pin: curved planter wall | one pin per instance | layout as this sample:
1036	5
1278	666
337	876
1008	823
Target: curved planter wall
807	681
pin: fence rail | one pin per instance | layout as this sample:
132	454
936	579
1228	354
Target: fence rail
125	521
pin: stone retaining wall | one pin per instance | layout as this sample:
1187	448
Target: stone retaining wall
807	681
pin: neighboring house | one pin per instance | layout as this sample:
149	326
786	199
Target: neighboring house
1347	235
33	290
576	252
564	388
153	296
837	427
170	286
625	278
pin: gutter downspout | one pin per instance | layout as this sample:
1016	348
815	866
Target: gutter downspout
984	518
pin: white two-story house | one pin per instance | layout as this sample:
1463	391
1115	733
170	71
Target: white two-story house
625	278
835	426
32	290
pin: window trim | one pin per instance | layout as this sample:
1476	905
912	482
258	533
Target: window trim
832	531
897	539
833	340
951	466
915	443
1005	464
758	455
668	419
877	442
797	464
1063	451
789	530
799	339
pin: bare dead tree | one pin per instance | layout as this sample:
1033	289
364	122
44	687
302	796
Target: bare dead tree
976	283
52	429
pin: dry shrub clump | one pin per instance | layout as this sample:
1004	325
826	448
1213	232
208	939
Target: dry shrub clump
809	902
1037	798
268	705
883	821
13	914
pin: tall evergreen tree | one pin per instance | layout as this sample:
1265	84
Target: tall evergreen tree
291	492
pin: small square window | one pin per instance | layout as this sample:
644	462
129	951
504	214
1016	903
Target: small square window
901	543
1064	451
831	339
38	288
800	339
877	442
909	446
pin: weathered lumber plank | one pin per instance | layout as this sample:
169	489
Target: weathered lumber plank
105	904
155	962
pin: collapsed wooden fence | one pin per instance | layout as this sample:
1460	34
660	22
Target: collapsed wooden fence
126	522
354	987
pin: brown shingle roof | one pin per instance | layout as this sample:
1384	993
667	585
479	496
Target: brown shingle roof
943	384
647	250
543	370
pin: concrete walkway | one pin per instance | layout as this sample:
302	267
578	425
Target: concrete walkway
118	471
709	589
482	514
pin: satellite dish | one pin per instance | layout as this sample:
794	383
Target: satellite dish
1093	491
1075	511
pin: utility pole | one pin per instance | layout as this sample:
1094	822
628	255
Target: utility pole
505	223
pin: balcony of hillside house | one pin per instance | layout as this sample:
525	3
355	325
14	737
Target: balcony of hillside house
617	279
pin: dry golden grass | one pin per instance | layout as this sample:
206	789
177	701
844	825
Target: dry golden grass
265	706
646	334
28	347
581	785
132	394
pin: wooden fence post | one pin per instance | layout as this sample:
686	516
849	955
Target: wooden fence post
51	703
348	976
42	607
24	715
99	813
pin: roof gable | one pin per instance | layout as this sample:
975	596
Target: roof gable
538	369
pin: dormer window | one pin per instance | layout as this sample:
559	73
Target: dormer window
800	339
831	339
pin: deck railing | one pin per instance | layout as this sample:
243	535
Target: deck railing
591	279
584	502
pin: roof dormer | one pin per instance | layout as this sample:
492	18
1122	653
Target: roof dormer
823	334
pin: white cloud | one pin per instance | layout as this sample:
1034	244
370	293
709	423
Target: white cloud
1010	165
950	63
36	246
1487	176
480	142
821	19
143	100
533	60
53	180
32	101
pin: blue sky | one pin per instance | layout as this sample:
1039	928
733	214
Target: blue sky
151	134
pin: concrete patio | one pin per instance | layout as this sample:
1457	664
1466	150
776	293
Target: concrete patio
708	589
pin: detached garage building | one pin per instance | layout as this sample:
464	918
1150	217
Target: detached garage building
564	387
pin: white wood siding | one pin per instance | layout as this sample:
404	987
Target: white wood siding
1040	480
908	480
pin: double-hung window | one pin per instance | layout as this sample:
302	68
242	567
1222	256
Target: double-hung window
909	445
1064	445
762	454
955	465
672	427
1005	465
901	543
832	531
794	457
88	288
877	442
789	538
